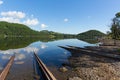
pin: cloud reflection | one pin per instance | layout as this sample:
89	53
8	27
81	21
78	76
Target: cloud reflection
31	49
19	56
43	46
10	51
7	56
27	49
18	53
65	52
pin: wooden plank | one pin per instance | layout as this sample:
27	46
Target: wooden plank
45	70
5	71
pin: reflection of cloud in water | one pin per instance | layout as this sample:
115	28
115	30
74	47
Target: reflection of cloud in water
31	49
27	49
7	56
43	46
10	51
19	56
65	52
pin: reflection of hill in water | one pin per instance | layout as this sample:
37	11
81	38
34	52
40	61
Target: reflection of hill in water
14	43
91	41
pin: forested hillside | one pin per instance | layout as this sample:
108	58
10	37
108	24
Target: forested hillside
20	30
13	29
90	35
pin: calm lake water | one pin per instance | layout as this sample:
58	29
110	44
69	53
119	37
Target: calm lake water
48	51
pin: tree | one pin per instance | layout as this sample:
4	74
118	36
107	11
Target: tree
117	15
115	28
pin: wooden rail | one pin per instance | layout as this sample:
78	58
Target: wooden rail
5	71
45	70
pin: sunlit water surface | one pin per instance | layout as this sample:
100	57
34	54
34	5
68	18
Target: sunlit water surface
49	52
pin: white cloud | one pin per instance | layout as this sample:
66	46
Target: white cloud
10	19
13	14
43	26
31	22
1	2
66	20
18	17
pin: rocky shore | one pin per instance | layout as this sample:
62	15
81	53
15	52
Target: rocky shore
89	67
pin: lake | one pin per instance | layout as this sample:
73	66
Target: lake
48	51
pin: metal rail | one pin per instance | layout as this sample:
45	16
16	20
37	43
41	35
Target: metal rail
5	71
46	71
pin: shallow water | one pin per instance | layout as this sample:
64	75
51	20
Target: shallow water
49	52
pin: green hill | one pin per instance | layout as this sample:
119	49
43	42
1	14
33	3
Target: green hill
14	29
91	35
20	30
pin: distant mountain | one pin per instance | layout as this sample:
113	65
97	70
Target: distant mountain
90	35
20	30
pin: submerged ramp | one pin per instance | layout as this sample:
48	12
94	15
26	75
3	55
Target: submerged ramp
5	71
45	71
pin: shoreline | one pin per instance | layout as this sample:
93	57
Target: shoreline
89	67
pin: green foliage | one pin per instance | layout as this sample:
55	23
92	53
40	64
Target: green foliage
115	27
117	14
115	33
20	30
91	34
13	29
56	35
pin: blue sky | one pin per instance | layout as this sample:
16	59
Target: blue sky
65	16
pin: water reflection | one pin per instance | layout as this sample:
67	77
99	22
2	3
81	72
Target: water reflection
49	52
31	49
19	62
1	67
14	43
43	46
19	56
7	56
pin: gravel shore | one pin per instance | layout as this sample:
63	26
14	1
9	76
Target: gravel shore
89	67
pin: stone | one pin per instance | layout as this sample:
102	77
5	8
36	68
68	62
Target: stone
63	69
